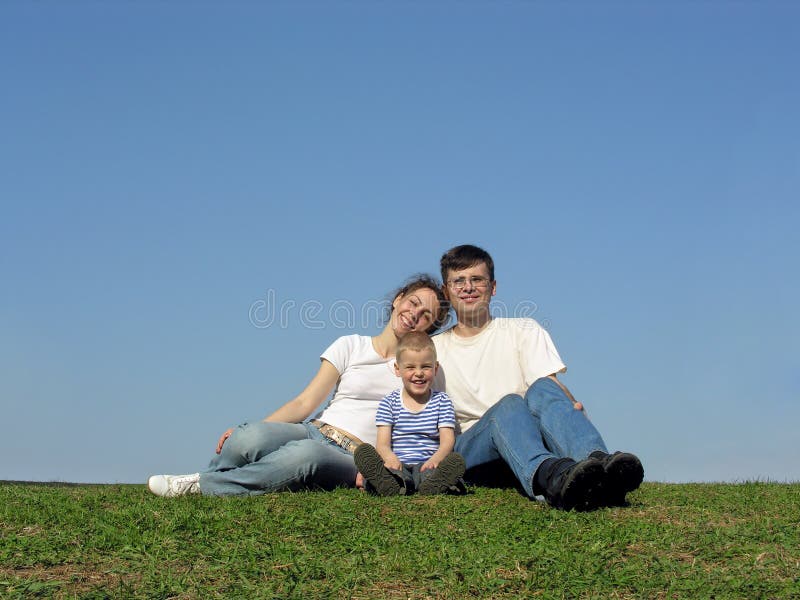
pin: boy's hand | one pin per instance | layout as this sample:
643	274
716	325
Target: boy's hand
392	462
431	463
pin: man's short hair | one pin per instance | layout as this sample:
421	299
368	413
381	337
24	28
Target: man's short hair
464	257
417	341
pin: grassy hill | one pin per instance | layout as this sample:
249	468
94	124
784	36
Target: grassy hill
674	541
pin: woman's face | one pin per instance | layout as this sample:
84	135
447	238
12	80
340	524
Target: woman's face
416	311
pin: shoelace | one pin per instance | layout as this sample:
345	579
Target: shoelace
183	484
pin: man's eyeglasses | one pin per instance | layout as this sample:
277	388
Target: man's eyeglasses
460	283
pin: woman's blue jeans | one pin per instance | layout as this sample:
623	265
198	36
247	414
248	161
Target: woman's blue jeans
259	458
524	432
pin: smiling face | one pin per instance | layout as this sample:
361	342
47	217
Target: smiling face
416	311
469	291
417	369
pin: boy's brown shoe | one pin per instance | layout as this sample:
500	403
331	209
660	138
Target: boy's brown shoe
445	476
370	464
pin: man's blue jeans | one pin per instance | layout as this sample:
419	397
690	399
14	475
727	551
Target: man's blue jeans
524	432
259	458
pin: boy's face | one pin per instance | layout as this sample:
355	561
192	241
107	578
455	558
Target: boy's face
470	290
417	369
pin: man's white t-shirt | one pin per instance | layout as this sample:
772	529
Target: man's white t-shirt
505	358
364	378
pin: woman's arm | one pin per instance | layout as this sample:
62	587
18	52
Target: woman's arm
307	401
304	404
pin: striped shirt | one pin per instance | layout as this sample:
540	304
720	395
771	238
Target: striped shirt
415	435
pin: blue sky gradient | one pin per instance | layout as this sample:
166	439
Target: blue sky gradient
171	172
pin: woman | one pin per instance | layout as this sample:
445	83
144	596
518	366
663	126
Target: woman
286	452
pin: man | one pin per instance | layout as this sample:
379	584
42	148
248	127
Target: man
501	375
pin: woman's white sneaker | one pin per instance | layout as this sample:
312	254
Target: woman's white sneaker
170	486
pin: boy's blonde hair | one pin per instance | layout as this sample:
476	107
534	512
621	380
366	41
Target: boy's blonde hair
415	340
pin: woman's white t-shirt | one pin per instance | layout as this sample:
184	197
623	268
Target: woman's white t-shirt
364	378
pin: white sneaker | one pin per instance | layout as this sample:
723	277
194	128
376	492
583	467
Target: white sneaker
170	486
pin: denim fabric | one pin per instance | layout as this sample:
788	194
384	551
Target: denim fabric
566	432
259	458
525	432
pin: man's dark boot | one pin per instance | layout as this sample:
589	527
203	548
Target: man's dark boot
624	474
570	485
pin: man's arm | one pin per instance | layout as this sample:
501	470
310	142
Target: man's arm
577	405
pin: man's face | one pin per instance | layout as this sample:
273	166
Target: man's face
470	290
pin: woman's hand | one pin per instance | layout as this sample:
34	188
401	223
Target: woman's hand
361	483
222	439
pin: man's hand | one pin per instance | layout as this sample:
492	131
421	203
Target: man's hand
222	439
575	404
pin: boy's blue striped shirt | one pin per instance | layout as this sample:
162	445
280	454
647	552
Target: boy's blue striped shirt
415	436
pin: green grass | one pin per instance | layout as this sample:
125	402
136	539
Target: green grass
674	541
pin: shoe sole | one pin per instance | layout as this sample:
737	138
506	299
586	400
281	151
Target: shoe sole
370	464
446	475
157	485
625	474
582	490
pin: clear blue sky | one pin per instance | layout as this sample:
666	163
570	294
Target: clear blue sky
167	168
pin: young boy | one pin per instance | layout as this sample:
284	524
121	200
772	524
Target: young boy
416	430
